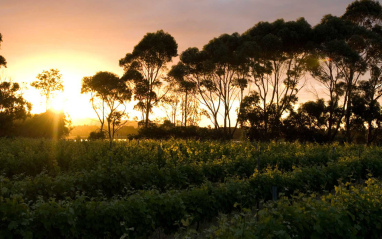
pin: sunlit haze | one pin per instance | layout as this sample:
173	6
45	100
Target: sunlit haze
82	37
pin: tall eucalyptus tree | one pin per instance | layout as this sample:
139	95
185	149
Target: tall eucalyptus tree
146	66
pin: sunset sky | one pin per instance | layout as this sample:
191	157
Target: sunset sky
81	37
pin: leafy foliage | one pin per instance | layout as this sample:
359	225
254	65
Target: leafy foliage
48	82
144	67
12	107
112	94
170	185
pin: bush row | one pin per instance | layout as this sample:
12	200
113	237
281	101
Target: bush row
140	214
349	212
30	157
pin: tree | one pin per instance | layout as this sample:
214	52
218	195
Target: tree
194	68
226	57
308	123
366	13
278	61
3	62
112	93
327	73
216	73
12	107
184	86
12	104
145	67
344	44
48	82
365	103
170	103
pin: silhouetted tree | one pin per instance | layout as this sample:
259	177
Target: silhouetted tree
171	104
145	67
184	86
12	107
343	43
217	73
195	68
308	123
226	55
3	62
365	103
113	94
48	82
252	117
330	77
366	13
96	99
12	104
279	59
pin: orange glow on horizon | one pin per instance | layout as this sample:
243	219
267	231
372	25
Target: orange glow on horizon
73	66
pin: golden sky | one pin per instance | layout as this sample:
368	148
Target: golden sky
82	37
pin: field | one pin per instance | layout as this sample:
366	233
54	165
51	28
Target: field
188	189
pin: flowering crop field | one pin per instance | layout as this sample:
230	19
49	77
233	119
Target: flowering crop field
188	189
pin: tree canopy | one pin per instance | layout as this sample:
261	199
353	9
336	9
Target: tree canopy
12	107
48	82
109	95
145	67
3	62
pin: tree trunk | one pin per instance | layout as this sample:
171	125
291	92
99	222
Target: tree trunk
185	110
347	121
370	133
147	114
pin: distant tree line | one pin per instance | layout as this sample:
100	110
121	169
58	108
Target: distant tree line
252	81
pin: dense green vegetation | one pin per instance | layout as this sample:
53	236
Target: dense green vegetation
65	189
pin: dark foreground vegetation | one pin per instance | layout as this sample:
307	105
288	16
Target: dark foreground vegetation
66	189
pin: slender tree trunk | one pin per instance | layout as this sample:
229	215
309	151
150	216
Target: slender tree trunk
348	106
103	115
266	116
329	134
47	102
347	119
110	141
147	114
370	132
185	110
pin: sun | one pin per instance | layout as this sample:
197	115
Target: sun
70	100
58	103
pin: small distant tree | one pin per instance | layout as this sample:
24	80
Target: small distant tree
145	67
170	103
112	94
48	82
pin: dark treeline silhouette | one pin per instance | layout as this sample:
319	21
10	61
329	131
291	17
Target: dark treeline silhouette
273	60
50	124
252	81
